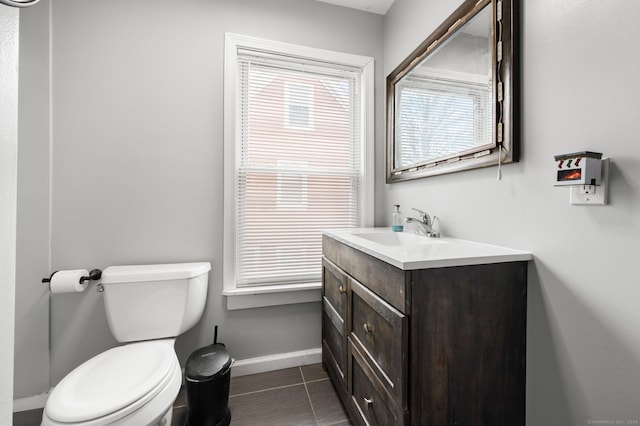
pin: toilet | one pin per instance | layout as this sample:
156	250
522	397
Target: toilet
135	384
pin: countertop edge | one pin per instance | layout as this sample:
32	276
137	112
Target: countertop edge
507	254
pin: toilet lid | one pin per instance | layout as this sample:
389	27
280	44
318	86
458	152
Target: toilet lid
123	377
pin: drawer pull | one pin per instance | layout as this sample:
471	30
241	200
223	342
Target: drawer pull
368	328
368	402
342	290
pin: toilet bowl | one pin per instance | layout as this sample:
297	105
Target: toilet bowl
137	383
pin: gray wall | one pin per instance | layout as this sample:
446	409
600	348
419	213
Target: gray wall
31	367
580	88
136	153
8	191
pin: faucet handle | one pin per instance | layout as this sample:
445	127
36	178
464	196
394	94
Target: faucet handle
424	216
434	233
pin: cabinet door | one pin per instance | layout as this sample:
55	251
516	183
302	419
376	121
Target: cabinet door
334	351
334	329
382	333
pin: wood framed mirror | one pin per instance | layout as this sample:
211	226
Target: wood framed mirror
452	103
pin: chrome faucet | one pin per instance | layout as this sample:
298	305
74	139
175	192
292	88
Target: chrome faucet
425	223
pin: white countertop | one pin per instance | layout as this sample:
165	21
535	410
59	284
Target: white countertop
409	251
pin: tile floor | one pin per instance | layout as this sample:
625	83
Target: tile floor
298	396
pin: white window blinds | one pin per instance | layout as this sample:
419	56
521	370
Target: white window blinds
298	164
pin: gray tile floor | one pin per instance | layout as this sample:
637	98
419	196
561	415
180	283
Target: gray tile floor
297	396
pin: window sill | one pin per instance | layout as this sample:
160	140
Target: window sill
258	297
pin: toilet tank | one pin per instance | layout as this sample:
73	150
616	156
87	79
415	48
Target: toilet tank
145	302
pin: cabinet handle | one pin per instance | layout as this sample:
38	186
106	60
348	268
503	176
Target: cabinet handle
368	402
368	328
342	290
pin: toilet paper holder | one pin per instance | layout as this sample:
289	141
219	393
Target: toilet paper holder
94	275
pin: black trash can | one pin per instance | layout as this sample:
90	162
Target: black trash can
207	375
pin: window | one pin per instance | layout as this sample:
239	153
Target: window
440	114
298	159
298	101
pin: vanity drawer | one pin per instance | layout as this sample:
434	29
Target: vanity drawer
382	333
334	287
369	399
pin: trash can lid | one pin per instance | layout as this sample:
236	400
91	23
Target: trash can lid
206	363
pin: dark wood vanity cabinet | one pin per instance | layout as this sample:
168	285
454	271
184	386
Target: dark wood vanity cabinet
441	346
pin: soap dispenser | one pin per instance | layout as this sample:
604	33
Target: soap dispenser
398	219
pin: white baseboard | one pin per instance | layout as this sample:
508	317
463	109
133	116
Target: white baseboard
266	363
30	402
241	367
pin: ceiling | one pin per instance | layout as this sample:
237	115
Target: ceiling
374	6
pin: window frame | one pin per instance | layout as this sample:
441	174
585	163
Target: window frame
249	297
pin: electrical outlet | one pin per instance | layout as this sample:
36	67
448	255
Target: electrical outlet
583	195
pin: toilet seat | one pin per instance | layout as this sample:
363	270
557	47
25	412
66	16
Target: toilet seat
114	384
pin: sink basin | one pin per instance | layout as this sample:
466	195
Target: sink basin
398	239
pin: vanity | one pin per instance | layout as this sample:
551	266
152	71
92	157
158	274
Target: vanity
424	331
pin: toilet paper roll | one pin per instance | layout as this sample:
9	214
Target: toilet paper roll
68	281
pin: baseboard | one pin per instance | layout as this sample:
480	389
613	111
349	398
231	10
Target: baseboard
30	402
242	367
266	363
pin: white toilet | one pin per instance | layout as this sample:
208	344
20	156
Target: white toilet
147	306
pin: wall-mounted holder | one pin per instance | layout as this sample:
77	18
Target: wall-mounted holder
94	275
71	281
586	173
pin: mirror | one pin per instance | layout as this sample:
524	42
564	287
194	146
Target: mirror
450	104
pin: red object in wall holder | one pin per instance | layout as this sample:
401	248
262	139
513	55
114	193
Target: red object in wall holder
579	168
